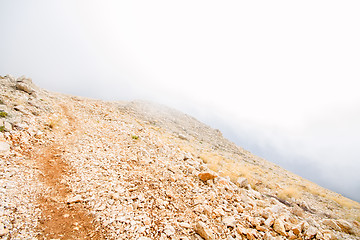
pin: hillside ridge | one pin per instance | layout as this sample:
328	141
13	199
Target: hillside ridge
79	168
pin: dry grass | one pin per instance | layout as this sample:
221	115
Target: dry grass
339	199
233	169
289	192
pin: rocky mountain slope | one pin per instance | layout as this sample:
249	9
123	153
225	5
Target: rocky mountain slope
77	168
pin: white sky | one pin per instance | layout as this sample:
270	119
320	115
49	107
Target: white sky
283	75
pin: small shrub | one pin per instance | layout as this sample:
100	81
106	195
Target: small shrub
134	137
2	129
3	114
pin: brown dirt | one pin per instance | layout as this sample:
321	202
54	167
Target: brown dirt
58	219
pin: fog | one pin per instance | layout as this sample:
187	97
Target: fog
279	78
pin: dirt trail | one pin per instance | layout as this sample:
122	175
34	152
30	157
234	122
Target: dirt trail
61	220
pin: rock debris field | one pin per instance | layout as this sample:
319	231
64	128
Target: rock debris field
78	168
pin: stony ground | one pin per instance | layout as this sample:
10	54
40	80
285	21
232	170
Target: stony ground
76	168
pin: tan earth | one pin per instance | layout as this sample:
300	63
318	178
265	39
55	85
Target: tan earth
78	168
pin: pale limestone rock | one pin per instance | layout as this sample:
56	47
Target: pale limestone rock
241	230
242	182
279	227
304	226
332	224
204	231
184	225
205	176
240	209
296	210
268	236
287	226
24	87
229	221
219	212
7	126
269	222
319	235
74	199
328	235
4	147
252	234
169	230
310	232
115	196
345	226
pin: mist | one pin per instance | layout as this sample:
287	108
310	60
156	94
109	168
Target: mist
278	78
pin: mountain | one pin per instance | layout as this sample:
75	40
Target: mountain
79	168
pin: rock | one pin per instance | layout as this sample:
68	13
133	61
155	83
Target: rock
296	210
242	182
296	230
249	233
7	126
183	137
205	176
345	226
204	231
241	230
304	226
184	225
252	234
169	230
269	222
291	235
24	87
279	227
115	196
74	199
4	147
229	221
267	236
332	224
328	235
310	232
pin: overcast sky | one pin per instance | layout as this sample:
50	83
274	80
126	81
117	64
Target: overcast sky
280	78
